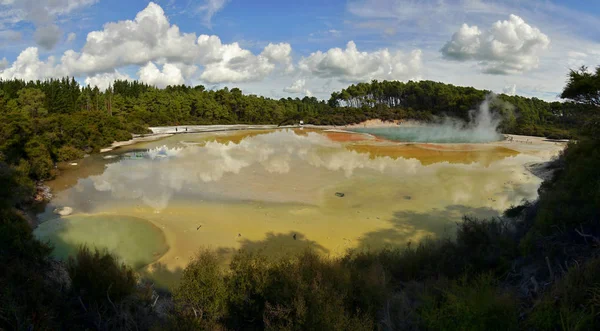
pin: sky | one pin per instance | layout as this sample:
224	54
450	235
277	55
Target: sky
298	48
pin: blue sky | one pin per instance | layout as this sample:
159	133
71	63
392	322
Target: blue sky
296	48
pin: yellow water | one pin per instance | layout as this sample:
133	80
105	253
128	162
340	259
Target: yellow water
257	189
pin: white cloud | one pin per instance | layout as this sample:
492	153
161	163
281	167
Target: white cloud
351	65
508	47
3	63
103	81
209	9
169	75
279	53
151	38
298	87
43	14
28	66
231	63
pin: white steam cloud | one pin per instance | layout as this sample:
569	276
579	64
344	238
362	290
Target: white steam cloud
482	127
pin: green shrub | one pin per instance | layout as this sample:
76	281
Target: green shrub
573	303
99	277
39	158
202	289
68	153
468	304
572	199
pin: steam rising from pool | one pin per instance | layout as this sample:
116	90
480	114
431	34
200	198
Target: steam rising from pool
483	127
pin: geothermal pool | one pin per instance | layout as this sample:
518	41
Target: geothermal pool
156	203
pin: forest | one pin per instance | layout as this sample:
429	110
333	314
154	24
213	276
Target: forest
535	268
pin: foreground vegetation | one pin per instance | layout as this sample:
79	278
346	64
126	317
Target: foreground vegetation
535	268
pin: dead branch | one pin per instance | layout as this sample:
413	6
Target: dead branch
82	305
585	236
108	297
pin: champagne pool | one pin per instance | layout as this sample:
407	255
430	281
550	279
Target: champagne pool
434	134
156	203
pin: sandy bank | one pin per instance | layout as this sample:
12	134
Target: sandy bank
213	128
135	140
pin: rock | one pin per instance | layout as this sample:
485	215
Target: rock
339	194
74	163
42	192
64	211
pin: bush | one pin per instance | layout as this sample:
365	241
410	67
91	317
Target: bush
573	197
68	153
99	277
468	304
28	299
39	158
202	290
293	293
573	302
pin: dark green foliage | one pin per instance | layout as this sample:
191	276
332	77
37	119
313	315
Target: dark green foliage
27	298
468	304
573	198
202	291
68	153
573	303
294	293
15	185
40	159
99	277
583	86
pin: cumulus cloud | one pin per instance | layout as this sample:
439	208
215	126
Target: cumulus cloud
3	63
508	47
150	37
351	65
43	14
298	87
169	75
209	9
231	63
279	53
105	80
28	66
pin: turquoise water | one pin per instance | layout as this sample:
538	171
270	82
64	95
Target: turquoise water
133	239
434	134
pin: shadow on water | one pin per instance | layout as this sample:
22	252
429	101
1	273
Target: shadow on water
275	245
411	226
